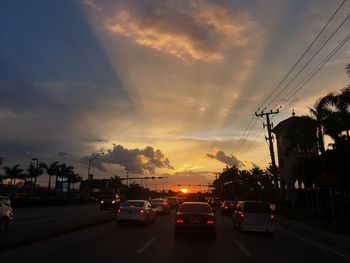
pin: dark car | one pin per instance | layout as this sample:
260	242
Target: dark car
228	207
195	217
109	202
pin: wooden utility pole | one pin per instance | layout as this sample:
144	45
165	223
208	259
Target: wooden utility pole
270	140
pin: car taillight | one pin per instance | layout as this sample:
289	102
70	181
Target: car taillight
120	210
141	210
226	207
179	221
210	222
273	217
241	215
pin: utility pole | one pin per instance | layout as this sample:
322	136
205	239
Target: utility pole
270	139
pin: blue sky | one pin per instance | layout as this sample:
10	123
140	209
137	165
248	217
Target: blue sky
181	77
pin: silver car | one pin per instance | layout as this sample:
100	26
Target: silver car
139	211
254	216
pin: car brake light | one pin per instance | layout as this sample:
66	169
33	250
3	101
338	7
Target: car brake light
179	221
273	217
241	215
226	207
210	222
141	211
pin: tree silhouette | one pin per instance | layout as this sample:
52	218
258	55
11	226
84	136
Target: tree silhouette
51	170
13	173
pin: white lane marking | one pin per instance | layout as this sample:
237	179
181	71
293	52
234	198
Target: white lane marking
315	244
145	246
243	248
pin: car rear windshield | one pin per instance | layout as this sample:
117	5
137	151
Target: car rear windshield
133	204
255	207
195	208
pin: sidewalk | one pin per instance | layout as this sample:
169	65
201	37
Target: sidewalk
335	239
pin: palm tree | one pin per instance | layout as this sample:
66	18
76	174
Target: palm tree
321	112
34	172
14	173
64	171
51	170
76	178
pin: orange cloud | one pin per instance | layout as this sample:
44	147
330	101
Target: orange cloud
193	30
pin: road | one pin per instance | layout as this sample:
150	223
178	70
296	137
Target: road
156	243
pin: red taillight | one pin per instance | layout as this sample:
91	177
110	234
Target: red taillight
226	207
120	210
141	210
241	215
210	222
273	217
179	221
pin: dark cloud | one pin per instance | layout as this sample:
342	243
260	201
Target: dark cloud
229	160
137	161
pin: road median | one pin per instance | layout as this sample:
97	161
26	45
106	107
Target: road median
36	230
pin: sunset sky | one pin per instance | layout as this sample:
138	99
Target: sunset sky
162	87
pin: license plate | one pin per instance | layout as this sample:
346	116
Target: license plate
194	220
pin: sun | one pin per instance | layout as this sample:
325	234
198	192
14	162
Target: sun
184	190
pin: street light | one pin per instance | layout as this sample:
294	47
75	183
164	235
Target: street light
90	161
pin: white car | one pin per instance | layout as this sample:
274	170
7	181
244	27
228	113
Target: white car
139	211
6	216
254	216
160	206
5	200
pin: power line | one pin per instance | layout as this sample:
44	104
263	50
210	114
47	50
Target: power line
246	137
318	68
317	52
302	56
241	142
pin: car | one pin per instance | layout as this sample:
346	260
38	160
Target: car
195	217
6	216
5	200
160	206
254	216
135	211
174	202
228	207
109	202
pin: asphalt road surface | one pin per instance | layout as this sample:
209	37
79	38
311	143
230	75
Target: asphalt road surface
156	243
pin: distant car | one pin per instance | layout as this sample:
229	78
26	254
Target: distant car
195	217
6	216
174	202
5	200
110	202
160	206
254	216
228	207
135	211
